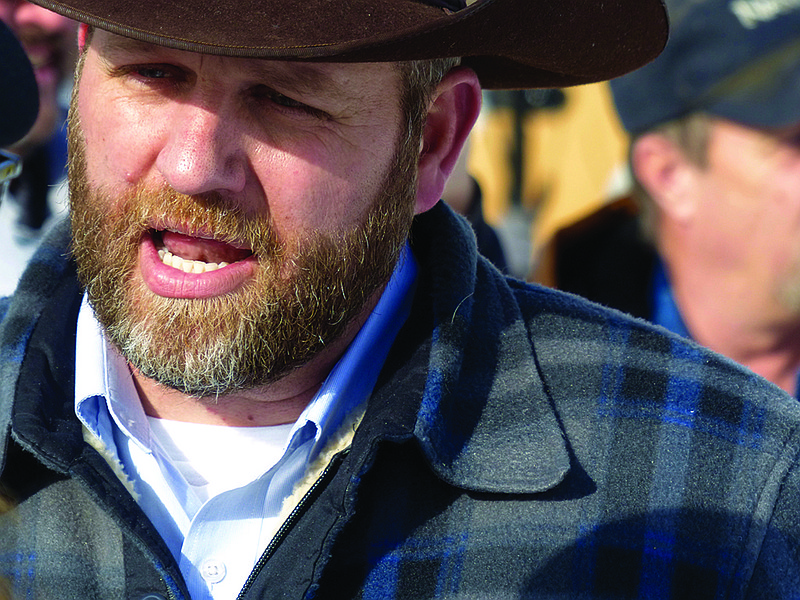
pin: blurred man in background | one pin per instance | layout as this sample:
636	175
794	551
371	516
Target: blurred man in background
19	103
49	42
715	153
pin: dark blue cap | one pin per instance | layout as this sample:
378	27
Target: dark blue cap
19	94
736	59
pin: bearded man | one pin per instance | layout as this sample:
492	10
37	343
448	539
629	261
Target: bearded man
274	365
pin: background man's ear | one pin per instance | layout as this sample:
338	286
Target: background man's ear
453	110
666	174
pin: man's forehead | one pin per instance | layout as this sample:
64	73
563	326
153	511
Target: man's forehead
332	77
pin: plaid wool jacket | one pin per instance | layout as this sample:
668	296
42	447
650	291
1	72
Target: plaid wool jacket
520	443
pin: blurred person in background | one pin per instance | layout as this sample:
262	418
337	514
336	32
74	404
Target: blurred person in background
49	42
19	100
18	110
543	159
463	194
709	244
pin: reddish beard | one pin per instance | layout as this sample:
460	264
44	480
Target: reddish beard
301	299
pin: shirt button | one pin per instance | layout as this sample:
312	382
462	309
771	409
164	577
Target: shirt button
213	570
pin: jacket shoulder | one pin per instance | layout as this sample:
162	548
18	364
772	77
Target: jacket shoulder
596	346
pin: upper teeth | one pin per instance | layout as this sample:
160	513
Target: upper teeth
188	266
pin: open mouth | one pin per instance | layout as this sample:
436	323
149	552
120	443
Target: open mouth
194	254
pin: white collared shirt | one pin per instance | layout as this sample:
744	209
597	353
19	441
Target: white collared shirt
218	536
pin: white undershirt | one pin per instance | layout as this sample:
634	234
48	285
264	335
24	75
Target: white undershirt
210	456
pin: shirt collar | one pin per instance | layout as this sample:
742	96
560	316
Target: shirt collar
352	379
103	379
665	310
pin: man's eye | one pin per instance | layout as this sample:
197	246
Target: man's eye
286	101
152	72
265	94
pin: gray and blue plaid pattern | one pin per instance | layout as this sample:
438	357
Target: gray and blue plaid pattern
565	451
521	443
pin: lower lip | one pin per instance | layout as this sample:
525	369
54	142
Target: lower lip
169	282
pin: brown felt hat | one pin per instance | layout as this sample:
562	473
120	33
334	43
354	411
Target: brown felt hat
509	43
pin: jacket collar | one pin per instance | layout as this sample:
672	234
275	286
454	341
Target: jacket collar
37	341
485	421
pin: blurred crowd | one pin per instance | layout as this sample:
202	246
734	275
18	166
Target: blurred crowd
37	195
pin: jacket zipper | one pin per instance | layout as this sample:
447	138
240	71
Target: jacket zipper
290	521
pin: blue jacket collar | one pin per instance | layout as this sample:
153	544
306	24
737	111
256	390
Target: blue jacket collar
485	422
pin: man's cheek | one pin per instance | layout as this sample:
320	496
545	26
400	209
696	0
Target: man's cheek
113	157
115	147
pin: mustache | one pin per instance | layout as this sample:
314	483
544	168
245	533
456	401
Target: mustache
211	216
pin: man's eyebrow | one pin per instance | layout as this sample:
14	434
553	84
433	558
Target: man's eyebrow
118	43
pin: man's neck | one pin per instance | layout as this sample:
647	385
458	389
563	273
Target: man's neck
274	404
736	318
251	408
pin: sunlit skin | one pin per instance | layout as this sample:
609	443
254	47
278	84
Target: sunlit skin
276	137
730	234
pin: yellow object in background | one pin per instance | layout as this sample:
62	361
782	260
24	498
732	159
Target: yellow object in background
573	161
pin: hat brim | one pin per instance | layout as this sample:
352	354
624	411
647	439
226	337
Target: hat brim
509	43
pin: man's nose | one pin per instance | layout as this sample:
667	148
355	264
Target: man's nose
202	152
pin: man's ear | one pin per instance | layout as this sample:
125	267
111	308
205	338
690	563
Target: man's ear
83	37
452	112
666	174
